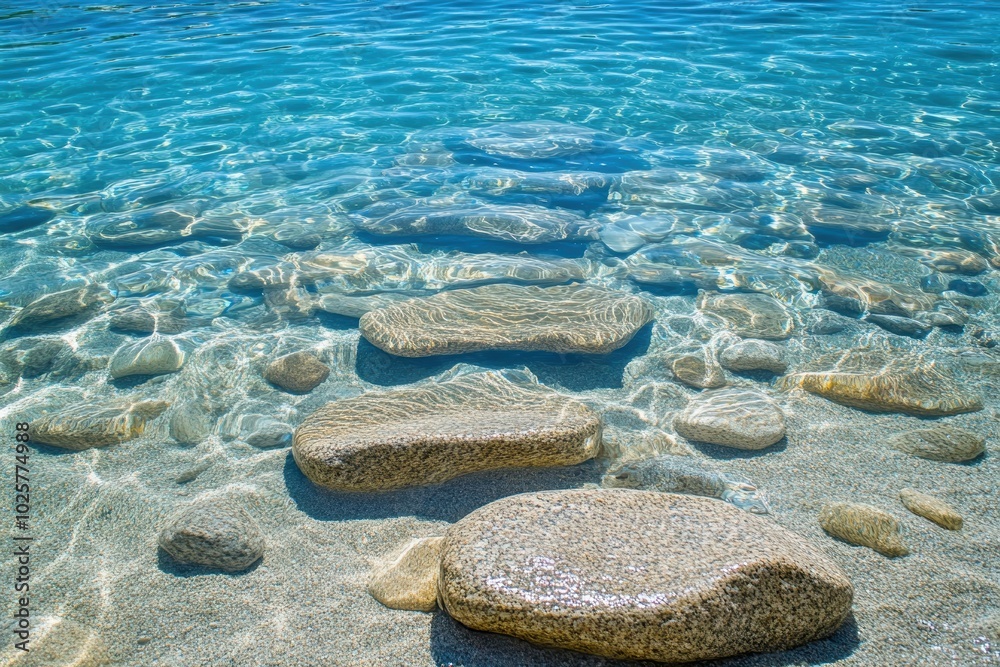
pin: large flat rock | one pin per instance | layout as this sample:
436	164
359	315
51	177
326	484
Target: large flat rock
564	319
638	574
425	435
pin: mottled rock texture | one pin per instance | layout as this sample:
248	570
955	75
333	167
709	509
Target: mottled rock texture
297	373
149	356
750	315
754	355
941	442
410	580
82	426
865	525
931	508
638	574
59	305
698	371
565	319
393	439
215	533
925	392
739	418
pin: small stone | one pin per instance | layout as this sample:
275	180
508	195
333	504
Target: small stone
738	418
60	305
297	373
750	315
865	525
697	371
149	356
190	424
925	392
564	319
426	435
410	580
825	322
191	474
270	434
84	426
41	357
968	287
934	283
21	218
941	442
138	320
754	355
901	326
638	575
214	533
931	509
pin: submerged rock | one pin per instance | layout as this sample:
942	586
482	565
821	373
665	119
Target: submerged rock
150	356
750	315
298	372
24	217
60	305
931	509
410	580
901	326
865	525
941	442
215	533
638	575
738	418
924	392
674	474
754	355
425	435
565	319
190	424
83	426
698	371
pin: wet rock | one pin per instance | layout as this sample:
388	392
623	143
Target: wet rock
190	424
60	305
854	295
931	509
824	322
984	338
901	326
968	287
737	418
565	319
638	575
269	434
139	320
410	580
190	474
945	315
150	356
934	283
297	373
696	370
750	315
754	355
161	226
83	426
941	442
865	525
215	533
291	302
41	358
24	217
426	435
925	392
680	474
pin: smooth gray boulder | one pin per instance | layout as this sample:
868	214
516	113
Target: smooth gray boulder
739	418
63	304
83	426
297	373
215	533
425	435
154	355
750	315
754	355
638	575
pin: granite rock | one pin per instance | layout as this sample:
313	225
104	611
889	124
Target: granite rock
754	355
154	355
190	424
901	326
941	442
698	371
750	315
931	509
425	435
297	373
83	426
864	525
638	575
60	305
215	533
410	580
739	418
564	319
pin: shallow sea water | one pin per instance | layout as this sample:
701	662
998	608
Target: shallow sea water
258	174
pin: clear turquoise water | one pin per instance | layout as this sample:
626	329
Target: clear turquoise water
165	150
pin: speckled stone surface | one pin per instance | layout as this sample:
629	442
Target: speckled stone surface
393	439
409	581
754	355
696	371
565	319
297	373
150	356
931	508
83	426
740	418
638	574
59	305
215	533
925	392
941	442
750	315
865	525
